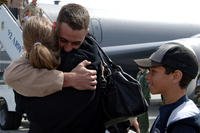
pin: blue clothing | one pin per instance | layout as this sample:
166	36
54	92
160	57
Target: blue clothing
182	116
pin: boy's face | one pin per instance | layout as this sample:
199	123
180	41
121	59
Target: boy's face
70	39
158	80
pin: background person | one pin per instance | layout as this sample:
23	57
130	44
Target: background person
143	119
3	2
34	9
171	68
196	97
15	6
31	9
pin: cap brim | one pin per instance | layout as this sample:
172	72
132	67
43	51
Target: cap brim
146	63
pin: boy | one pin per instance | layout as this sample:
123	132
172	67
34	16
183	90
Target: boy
171	68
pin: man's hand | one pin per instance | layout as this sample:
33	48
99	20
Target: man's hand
134	124
81	78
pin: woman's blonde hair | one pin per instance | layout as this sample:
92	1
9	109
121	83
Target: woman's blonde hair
41	49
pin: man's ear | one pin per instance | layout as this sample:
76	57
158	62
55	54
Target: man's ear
87	31
177	75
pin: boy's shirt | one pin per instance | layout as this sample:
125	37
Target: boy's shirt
161	123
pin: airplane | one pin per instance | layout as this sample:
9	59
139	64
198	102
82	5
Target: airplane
111	32
122	39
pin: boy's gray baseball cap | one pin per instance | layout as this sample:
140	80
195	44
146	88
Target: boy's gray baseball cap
172	55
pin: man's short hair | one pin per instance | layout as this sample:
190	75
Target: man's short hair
75	15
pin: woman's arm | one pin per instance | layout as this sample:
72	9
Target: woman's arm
30	81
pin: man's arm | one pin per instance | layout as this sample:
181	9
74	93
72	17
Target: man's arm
29	81
81	78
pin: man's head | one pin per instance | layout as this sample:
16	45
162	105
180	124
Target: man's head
72	26
173	58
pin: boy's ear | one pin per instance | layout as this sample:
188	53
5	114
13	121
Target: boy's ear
177	75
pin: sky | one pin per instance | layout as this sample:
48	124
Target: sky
185	11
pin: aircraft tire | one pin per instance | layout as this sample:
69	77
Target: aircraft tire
8	120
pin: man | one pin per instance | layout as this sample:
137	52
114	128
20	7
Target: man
171	68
